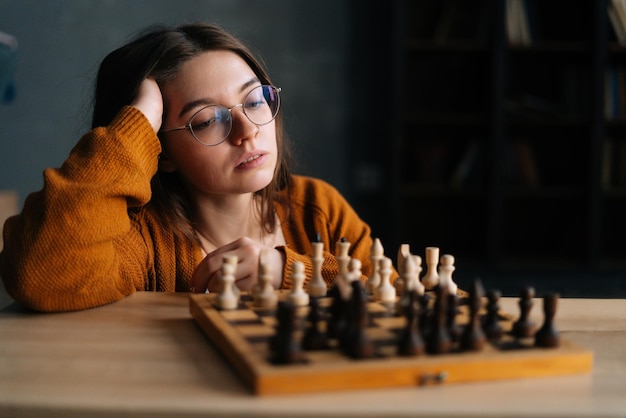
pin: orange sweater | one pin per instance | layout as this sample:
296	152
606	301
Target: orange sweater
77	245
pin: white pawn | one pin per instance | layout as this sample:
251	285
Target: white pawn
431	279
265	297
446	268
343	259
232	260
297	295
317	286
354	270
412	270
386	292
376	253
418	286
227	298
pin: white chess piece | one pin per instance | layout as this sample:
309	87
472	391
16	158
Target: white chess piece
317	286
342	257
227	299
297	295
376	253
404	252
386	292
446	268
266	296
431	279
232	260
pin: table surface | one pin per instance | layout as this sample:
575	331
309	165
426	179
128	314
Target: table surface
144	356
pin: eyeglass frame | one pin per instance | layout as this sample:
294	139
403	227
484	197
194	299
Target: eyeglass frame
230	111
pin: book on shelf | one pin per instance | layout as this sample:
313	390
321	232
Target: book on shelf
518	25
617	17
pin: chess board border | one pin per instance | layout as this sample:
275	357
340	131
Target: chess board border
264	378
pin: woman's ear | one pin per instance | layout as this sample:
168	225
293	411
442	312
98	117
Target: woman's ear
165	164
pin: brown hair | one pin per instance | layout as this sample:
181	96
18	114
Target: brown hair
160	52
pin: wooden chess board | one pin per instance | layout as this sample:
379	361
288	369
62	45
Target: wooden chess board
242	335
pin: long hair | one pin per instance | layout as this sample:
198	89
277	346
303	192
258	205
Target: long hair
159	53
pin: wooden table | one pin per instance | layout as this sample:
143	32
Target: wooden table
144	356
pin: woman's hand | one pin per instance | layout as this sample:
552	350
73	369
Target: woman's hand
206	275
150	102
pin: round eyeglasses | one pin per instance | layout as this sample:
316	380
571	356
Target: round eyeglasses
212	124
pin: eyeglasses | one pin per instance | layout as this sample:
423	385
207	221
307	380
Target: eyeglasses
212	124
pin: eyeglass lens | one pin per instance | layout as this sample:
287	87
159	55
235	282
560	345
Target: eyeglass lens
212	124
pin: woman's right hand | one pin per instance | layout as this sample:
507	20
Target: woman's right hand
150	102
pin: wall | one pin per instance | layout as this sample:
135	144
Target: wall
61	43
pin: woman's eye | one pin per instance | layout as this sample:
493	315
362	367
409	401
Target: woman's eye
203	125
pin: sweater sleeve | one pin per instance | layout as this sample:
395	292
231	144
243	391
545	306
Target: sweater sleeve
65	250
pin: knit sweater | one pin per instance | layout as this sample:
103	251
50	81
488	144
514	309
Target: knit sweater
89	237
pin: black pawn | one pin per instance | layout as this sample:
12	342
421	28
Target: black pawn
524	327
438	340
410	342
338	309
473	338
284	347
548	336
491	323
356	343
314	338
453	328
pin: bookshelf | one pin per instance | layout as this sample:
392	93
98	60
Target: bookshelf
508	140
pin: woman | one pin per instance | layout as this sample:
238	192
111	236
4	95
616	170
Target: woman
186	164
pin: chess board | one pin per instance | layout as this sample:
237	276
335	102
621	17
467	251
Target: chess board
242	336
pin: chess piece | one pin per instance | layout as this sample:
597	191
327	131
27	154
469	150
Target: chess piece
314	337
337	310
265	296
404	254
524	327
317	286
354	270
491	322
376	253
446	268
343	258
454	330
438	340
355	343
548	336
227	298
232	260
284	347
473	338
431	278
386	292
297	295
410	342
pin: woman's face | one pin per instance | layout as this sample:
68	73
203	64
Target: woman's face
246	160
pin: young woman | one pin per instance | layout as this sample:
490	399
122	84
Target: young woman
186	163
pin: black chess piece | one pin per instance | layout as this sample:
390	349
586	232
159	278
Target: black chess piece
314	338
410	342
356	343
524	327
452	310
337	310
473	338
491	322
548	336
438	340
284	348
